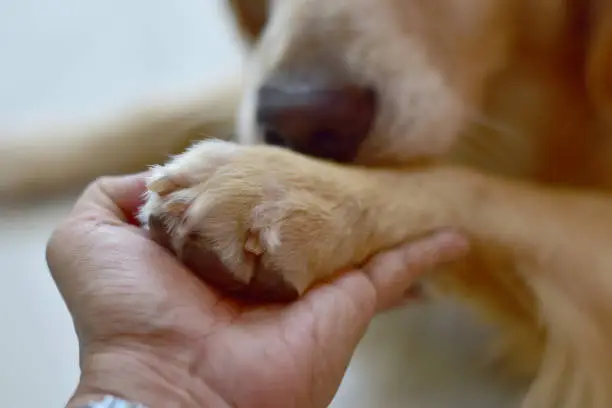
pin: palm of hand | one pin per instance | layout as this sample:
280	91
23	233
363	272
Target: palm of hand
250	356
149	329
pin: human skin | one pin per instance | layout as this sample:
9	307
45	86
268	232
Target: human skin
150	331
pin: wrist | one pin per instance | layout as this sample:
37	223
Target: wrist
141	377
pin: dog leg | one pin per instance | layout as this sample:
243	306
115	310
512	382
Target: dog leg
38	165
267	223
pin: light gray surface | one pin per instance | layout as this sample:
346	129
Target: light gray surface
67	60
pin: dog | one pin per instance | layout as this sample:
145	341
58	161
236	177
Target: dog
382	121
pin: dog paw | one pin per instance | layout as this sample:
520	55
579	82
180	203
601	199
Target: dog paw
259	222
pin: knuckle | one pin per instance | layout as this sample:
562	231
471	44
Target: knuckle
55	244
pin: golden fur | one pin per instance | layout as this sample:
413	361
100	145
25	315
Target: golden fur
510	104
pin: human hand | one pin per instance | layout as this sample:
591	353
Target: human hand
152	332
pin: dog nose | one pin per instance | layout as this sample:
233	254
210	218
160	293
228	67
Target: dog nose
328	120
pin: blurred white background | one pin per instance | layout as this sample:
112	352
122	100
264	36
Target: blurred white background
68	61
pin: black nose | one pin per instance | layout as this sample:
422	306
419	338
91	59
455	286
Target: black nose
315	117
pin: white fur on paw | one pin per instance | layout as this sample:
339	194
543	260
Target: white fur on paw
241	226
195	165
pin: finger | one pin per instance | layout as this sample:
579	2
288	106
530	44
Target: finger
94	254
394	272
105	202
350	298
344	307
114	197
338	313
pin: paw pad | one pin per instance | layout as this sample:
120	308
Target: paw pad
265	284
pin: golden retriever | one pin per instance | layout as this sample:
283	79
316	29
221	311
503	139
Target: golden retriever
390	119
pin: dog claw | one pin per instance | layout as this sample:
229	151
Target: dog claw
165	185
176	208
253	244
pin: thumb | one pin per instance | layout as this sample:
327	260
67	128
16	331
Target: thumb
113	197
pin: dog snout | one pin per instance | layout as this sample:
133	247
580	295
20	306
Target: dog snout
328	119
